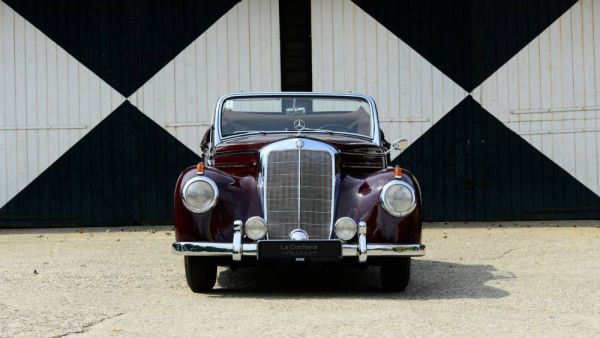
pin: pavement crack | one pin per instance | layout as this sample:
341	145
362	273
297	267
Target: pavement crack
503	254
87	326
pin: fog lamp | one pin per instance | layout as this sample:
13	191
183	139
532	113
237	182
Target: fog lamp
255	228
345	228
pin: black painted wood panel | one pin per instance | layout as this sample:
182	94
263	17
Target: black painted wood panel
294	30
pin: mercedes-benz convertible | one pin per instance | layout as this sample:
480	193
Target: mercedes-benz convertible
297	178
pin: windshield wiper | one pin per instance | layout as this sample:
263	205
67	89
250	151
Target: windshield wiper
238	132
320	130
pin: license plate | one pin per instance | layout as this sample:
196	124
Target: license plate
312	250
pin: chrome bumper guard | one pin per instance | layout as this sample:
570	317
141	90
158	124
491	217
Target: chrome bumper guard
237	249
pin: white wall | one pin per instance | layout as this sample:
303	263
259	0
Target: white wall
239	52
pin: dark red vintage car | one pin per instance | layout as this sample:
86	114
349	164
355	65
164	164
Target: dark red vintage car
301	178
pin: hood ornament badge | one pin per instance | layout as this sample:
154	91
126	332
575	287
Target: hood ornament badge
299	125
299	144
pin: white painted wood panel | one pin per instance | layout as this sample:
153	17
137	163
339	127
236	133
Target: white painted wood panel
351	51
553	99
240	52
48	101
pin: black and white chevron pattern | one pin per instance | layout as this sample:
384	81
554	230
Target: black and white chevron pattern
102	103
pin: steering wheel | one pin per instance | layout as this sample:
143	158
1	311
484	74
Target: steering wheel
336	127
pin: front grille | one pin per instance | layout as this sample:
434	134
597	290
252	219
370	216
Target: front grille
298	192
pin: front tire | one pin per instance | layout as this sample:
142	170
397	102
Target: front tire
200	273
395	274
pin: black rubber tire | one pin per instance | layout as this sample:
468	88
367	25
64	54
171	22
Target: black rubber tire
395	274
200	273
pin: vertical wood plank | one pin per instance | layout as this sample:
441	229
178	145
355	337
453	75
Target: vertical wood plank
568	92
265	44
349	47
202	79
244	43
275	83
403	76
415	91
382	69
327	40
393	80
7	102
546	90
26	139
579	151
591	117
255	53
191	94
51	85
361	46
317	49
427	94
371	56
337	46
16	140
180	96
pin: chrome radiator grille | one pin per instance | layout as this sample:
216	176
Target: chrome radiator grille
299	192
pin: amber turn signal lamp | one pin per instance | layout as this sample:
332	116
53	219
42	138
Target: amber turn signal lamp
200	168
398	171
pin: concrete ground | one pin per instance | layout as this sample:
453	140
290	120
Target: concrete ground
476	280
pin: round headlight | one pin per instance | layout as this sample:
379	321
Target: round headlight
199	194
398	198
345	228
255	228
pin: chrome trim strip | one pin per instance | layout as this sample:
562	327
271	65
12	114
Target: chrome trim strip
237	249
362	249
213	249
298	190
389	250
374	116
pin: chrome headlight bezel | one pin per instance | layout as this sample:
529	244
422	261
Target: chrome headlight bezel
187	185
386	206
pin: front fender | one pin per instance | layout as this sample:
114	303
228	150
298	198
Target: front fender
358	199
238	199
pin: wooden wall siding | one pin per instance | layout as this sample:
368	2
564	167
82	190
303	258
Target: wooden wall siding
120	173
353	52
549	93
48	101
123	42
471	165
240	52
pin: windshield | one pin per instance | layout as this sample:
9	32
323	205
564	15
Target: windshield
242	115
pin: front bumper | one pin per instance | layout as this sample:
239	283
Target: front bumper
237	249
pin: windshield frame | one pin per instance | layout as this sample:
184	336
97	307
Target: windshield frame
375	138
